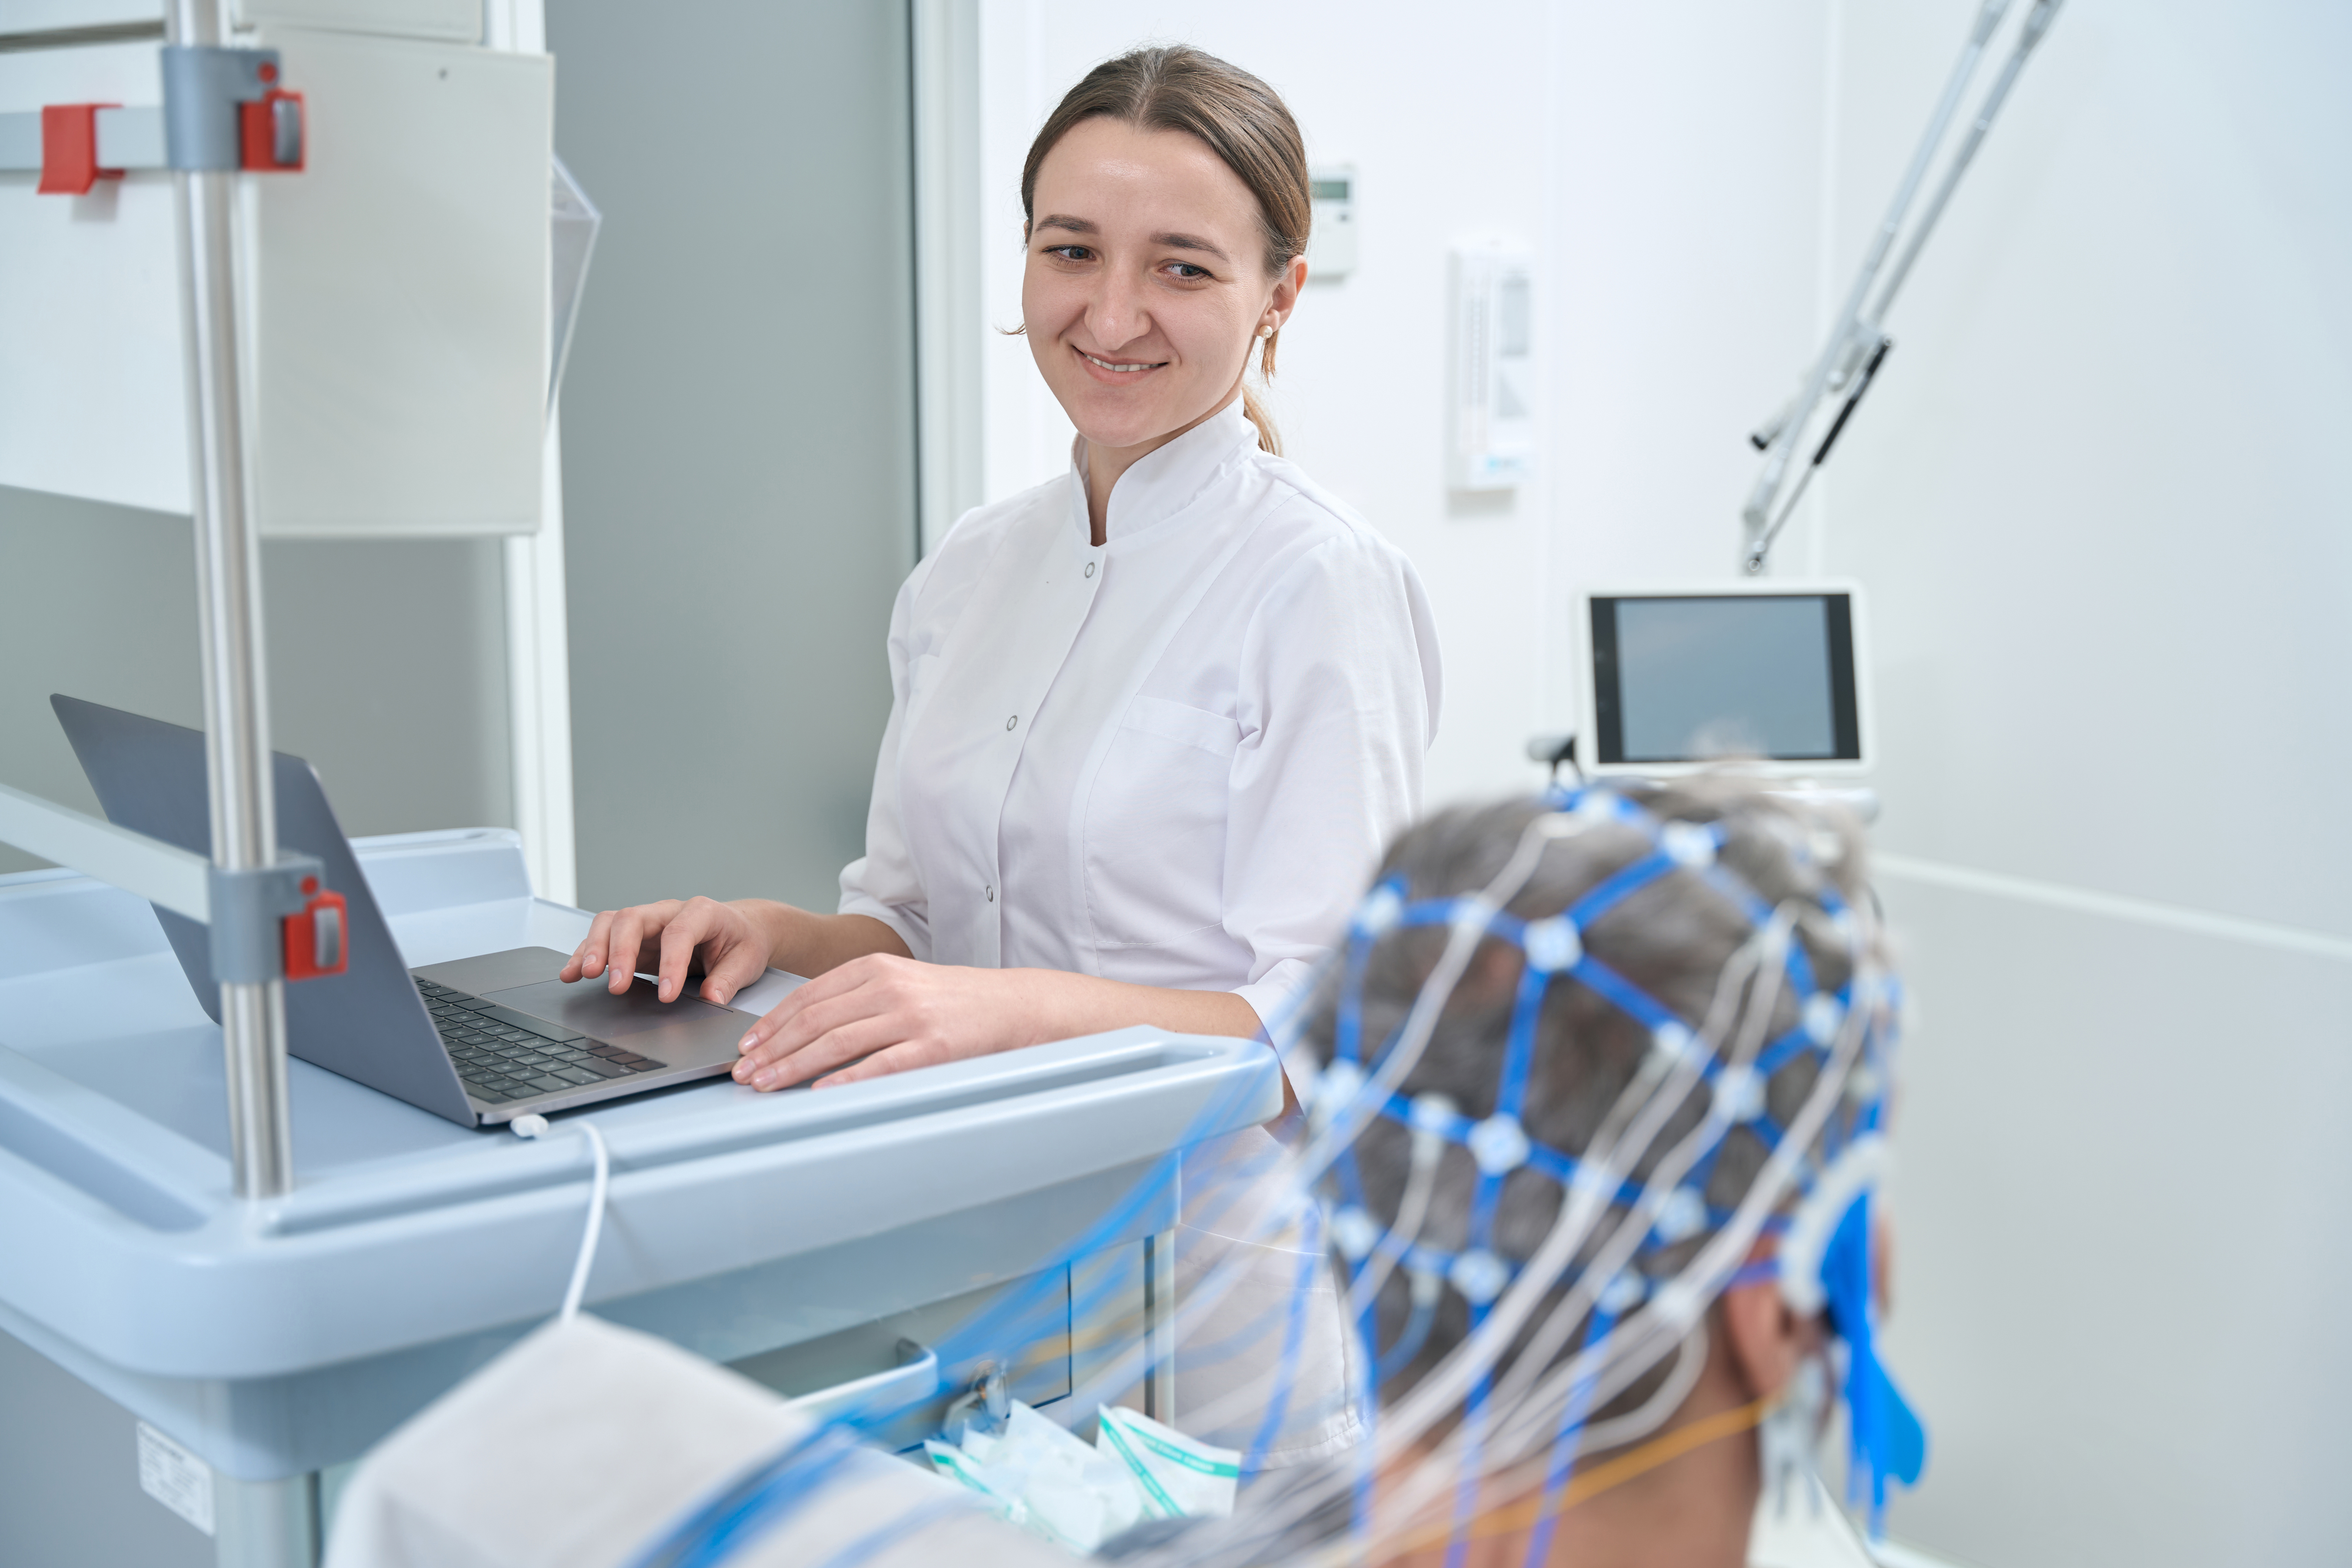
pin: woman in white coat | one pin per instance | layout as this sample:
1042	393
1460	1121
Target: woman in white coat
1154	720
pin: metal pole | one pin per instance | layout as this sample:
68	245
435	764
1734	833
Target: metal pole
229	587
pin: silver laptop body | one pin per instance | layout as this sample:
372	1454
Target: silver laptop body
477	1040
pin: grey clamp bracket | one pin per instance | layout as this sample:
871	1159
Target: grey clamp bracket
222	109
250	910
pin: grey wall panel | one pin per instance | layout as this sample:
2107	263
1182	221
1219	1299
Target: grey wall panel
70	1494
2122	1188
738	435
387	659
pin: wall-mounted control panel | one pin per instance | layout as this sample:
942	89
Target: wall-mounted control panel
1331	243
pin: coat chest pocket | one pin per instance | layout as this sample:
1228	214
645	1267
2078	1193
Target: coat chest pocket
1155	828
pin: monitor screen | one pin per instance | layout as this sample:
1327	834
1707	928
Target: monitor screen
1693	678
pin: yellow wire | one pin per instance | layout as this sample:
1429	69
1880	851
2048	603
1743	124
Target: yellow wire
1658	1450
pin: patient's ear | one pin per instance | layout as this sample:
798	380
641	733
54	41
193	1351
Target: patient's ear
1767	1341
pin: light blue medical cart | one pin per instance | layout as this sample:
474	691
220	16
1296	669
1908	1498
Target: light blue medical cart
802	1236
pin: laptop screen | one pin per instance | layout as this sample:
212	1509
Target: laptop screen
1691	677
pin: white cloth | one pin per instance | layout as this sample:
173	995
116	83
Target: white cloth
1173	759
582	1442
1266	1367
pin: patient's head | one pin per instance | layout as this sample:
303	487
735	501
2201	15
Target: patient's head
1579	1135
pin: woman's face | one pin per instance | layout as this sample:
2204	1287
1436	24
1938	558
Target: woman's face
1146	282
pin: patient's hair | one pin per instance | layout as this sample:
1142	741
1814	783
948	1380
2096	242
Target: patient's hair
1672	938
1240	118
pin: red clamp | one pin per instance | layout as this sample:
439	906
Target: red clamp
269	129
318	940
69	149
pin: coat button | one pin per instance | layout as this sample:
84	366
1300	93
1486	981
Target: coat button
1090	568
1014	720
991	891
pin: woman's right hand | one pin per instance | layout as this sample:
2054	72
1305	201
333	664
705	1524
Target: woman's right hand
724	941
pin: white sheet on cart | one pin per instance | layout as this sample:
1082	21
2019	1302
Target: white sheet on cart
579	1445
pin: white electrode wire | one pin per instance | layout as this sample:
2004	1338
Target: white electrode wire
1688	1294
1469	929
1644	1103
1412	1207
1733	1028
1677	1304
1617	1354
1613	1164
1301	1170
1594	1189
1690	1360
1749	1002
1505	1484
535	1126
1600	1438
1521	1424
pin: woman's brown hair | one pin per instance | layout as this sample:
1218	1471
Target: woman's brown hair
1240	118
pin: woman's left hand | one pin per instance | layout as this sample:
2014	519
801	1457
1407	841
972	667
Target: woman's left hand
882	1013
895	1014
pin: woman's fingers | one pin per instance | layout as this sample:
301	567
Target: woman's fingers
836	981
588	958
797	1022
738	966
899	1057
626	939
698	921
876	1015
836	1046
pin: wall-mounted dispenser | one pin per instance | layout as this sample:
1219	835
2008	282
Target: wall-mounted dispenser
1490	406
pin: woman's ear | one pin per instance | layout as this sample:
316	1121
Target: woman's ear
1768	1339
1286	287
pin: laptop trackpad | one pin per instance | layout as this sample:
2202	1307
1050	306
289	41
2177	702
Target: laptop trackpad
592	1010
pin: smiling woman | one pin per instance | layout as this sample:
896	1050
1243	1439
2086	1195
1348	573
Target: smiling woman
1152	721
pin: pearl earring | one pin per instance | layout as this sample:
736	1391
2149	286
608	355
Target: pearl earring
1266	332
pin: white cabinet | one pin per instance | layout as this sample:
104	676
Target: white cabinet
397	327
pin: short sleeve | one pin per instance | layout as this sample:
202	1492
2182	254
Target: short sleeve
882	883
1340	688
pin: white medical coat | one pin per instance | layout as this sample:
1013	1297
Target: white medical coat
1172	758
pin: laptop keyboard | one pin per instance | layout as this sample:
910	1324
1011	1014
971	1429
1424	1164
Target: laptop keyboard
503	1056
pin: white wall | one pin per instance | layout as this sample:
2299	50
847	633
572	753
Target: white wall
2099	504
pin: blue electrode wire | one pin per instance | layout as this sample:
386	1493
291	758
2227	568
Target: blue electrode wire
1563	1448
1473	1433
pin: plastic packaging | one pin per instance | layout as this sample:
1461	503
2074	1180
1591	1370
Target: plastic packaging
1039	1477
1177	1476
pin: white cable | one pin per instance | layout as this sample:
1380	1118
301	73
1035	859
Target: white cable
1645	1105
1300	1169
535	1126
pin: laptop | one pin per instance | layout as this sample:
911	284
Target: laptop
1772	675
477	1040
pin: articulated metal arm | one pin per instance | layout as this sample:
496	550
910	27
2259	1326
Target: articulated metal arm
1857	346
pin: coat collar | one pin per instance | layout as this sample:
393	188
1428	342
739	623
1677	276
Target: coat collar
1162	483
